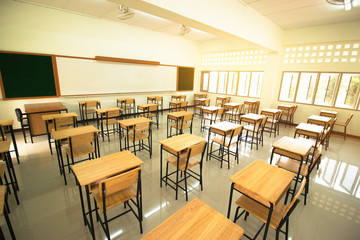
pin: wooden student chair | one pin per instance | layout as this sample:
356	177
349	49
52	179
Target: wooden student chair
183	123
24	122
183	164
225	142
137	135
280	215
117	190
3	211
345	124
90	107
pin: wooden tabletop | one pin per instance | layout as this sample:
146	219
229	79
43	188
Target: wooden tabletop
310	128
332	114
224	126
263	182
251	117
319	118
298	146
5	123
44	107
175	102
270	111
146	105
196	220
70	132
179	114
250	101
284	107
58	115
104	167
220	98
232	105
201	99
104	110
133	121
4	146
210	109
181	142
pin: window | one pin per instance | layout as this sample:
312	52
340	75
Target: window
255	86
288	86
233	83
244	81
306	87
348	91
324	89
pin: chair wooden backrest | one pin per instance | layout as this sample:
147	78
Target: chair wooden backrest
79	140
220	111
196	149
129	100
142	127
183	104
188	117
293	110
349	119
64	122
153	108
119	182
227	100
263	122
207	102
91	104
183	97
158	99
237	131
291	206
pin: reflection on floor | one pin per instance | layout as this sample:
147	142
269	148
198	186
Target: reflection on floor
51	210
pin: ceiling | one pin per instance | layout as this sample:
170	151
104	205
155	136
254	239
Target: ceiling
287	14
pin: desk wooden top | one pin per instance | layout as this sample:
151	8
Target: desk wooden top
146	105
251	117
201	99
224	126
196	220
58	115
179	114
133	121
210	108
332	114
104	110
200	95
310	128
232	105
270	111
181	142
250	102
298	146
94	170
44	107
320	118
263	182
4	146
70	132
9	122
284	107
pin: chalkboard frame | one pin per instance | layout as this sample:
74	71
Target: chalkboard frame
51	78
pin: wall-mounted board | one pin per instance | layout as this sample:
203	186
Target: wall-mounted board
27	76
185	79
84	76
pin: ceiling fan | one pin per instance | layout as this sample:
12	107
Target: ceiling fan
125	13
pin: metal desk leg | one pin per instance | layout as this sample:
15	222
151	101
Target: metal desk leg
14	143
230	199
161	153
268	221
91	226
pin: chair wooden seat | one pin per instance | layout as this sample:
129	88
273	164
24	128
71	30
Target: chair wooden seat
182	162
228	141
292	165
261	212
116	198
81	150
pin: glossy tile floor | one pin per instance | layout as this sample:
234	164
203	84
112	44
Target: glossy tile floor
51	210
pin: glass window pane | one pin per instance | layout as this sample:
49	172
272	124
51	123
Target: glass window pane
255	86
243	87
348	91
288	86
205	82
326	89
222	82
213	81
306	87
232	83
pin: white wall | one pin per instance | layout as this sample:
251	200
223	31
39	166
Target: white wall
28	28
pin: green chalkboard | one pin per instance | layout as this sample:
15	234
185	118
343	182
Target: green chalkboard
185	79
27	76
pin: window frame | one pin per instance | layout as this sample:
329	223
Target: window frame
336	90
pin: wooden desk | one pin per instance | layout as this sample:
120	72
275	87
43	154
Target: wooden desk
37	110
196	220
309	130
176	116
49	121
262	182
9	124
95	170
331	114
319	120
177	145
5	151
250	118
68	133
144	107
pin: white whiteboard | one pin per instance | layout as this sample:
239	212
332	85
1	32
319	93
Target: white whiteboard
82	76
